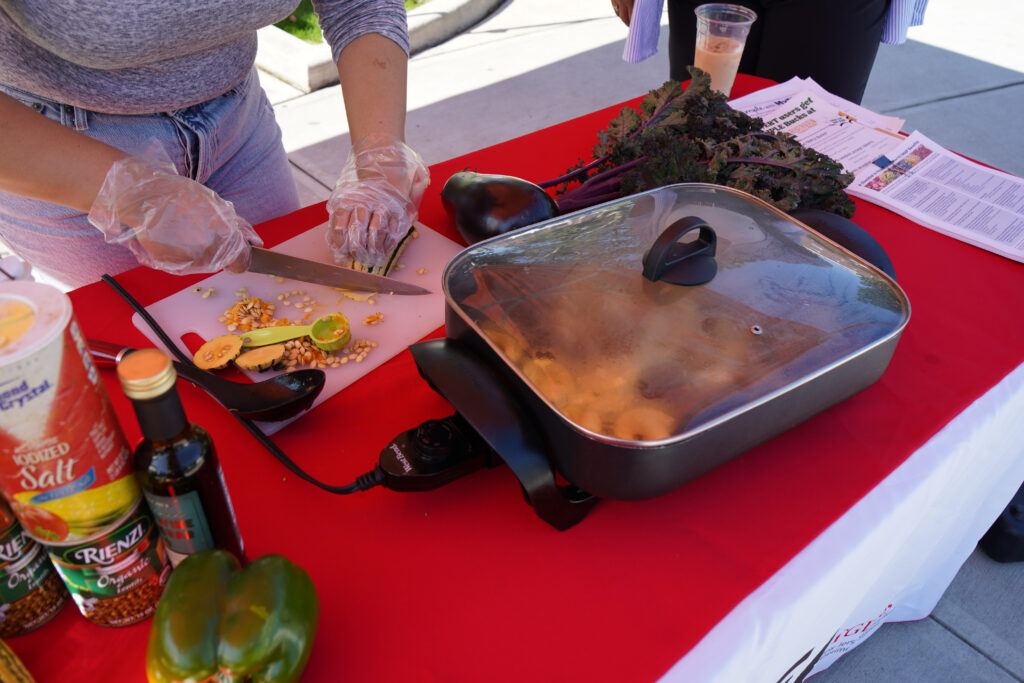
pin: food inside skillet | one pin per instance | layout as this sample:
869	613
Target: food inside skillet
622	369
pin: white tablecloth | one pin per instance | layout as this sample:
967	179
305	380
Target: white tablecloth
889	558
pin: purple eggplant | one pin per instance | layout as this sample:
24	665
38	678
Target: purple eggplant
485	205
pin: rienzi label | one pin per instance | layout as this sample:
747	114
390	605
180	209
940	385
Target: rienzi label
23	565
115	563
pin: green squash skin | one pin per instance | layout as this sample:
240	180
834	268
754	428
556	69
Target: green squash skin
486	205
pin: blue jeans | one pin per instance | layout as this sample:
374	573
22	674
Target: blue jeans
231	144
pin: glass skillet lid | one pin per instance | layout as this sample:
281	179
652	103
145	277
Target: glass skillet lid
566	305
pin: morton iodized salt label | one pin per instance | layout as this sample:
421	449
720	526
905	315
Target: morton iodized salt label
65	466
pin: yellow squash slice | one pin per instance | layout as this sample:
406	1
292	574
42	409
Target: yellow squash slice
261	357
218	352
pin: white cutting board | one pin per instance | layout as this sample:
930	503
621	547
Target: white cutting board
407	319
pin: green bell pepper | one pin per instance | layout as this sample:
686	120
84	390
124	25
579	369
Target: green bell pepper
216	622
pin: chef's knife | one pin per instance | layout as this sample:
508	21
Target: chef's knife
304	270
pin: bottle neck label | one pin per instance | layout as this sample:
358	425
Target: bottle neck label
182	523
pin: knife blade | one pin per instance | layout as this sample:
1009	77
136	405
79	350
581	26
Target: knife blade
304	270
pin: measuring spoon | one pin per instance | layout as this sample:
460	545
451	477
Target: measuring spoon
328	332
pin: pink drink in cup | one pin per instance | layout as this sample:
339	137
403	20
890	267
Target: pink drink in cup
721	34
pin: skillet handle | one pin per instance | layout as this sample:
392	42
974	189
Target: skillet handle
487	404
848	234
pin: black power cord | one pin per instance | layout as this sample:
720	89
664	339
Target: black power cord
375	477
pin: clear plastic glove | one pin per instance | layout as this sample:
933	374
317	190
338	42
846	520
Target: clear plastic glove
170	222
375	202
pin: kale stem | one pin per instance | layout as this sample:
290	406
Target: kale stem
582	171
657	113
567	203
748	160
601	186
758	134
574	174
613	172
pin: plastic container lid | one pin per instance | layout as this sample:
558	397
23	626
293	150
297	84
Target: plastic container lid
32	314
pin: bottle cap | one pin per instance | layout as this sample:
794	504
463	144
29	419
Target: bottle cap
146	373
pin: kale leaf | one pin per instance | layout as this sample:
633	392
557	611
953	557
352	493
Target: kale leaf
693	136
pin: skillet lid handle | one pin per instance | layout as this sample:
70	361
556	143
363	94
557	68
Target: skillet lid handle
683	263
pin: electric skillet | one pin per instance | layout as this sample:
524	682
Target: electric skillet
623	350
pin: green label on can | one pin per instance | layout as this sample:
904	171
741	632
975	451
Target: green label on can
23	564
115	563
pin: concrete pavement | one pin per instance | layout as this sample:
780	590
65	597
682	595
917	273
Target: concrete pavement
960	80
529	65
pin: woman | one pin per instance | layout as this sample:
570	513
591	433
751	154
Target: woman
834	42
137	132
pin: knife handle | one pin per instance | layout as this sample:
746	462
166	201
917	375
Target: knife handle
106	354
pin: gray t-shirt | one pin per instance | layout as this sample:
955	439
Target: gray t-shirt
147	56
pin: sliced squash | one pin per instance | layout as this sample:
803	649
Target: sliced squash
218	352
392	261
261	357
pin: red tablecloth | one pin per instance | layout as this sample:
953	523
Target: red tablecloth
465	583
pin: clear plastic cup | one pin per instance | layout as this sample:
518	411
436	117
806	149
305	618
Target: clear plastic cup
721	34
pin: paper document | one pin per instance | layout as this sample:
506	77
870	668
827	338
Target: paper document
824	128
766	100
949	194
912	176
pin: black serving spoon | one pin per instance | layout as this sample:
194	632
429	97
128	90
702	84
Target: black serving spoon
373	478
274	399
269	400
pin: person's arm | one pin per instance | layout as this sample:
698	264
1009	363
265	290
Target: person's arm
372	70
45	160
167	221
376	198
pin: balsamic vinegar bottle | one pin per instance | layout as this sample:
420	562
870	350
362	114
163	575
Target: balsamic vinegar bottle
175	463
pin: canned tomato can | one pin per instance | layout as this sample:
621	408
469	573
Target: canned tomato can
65	465
31	591
117	578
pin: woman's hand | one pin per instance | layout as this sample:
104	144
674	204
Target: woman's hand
170	222
375	201
623	10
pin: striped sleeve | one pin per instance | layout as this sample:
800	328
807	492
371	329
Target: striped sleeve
644	30
902	15
342	21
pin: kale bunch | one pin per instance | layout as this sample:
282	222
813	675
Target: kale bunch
693	136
